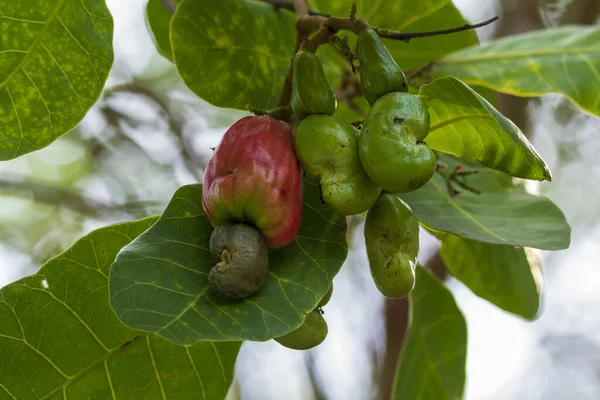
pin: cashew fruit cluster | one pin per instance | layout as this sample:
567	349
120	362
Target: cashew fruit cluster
252	192
392	150
327	147
364	170
252	182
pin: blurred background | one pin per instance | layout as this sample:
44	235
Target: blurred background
149	135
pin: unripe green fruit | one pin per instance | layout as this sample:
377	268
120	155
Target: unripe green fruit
328	149
244	260
312	92
327	297
379	73
392	242
311	333
391	145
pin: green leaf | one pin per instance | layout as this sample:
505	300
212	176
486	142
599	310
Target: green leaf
433	359
59	338
233	52
466	125
55	57
408	16
502	274
158	18
562	60
159	282
502	214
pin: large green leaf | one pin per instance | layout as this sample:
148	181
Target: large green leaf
502	274
158	19
503	213
465	125
159	282
433	359
55	57
59	338
233	52
408	16
562	60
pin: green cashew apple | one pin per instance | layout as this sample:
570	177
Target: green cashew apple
325	299
328	149
311	333
391	146
312	92
244	260
392	242
379	73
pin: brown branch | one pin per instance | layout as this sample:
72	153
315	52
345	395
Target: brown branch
350	89
170	5
391	34
189	158
44	192
284	5
301	8
327	27
286	93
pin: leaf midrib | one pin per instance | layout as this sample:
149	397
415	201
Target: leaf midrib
511	55
104	358
458	118
35	43
468	215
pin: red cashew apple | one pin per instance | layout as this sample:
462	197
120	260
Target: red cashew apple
254	176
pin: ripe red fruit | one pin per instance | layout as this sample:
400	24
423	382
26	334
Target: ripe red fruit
254	176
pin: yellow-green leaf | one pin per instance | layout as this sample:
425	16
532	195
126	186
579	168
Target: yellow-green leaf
466	125
433	359
507	276
232	53
159	282
59	338
55	57
562	60
502	214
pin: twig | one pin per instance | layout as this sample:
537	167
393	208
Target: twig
390	34
280	113
457	176
348	90
301	8
284	5
327	27
286	93
419	71
342	46
46	193
170	5
175	127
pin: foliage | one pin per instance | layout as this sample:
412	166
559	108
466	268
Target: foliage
127	311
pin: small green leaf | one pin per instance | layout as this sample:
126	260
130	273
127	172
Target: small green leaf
158	19
502	274
233	53
159	282
502	214
55	57
433	359
466	125
407	16
59	338
562	60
